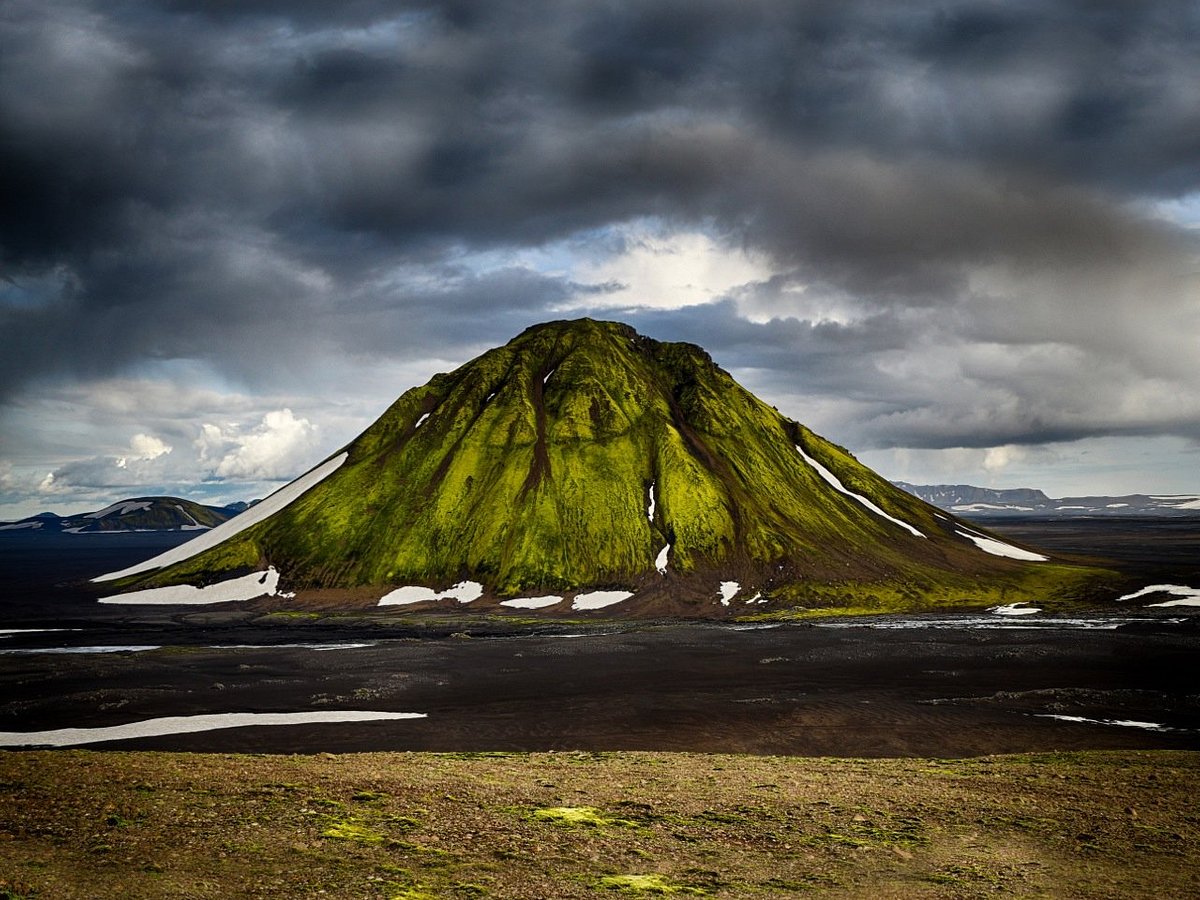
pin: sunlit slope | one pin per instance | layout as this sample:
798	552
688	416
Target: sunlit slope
571	457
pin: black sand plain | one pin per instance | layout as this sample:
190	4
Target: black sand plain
945	686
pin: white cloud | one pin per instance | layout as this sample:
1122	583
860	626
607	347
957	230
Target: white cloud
659	270
996	459
143	448
279	447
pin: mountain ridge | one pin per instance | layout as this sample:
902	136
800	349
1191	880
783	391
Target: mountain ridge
151	513
980	502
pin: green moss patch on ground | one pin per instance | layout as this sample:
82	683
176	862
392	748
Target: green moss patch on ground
416	825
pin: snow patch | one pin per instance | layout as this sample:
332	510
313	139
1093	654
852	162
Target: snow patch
122	508
259	512
757	598
9	632
999	548
70	737
195	526
1189	596
256	584
421	421
121	648
1014	609
979	507
403	596
599	599
728	591
532	602
660	561
548	374
1125	723
651	507
463	592
332	646
16	526
834	482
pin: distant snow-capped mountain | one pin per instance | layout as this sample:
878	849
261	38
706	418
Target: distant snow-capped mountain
979	502
136	514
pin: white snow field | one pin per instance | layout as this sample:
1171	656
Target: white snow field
227	529
599	599
70	737
532	602
463	592
256	584
1125	723
660	561
195	526
121	508
1188	596
837	485
999	548
9	632
56	651
728	591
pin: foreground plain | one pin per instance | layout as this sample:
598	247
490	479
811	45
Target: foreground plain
418	825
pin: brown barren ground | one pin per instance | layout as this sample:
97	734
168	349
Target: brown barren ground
419	825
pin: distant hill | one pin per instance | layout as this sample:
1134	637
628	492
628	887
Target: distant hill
135	514
979	502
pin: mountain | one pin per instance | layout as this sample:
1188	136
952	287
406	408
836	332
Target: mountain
582	456
980	502
135	514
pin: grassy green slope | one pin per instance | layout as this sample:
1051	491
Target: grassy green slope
532	467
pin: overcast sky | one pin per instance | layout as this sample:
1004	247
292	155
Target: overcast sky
959	238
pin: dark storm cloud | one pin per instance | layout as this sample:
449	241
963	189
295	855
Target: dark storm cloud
264	185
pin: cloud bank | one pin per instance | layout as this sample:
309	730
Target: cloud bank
918	227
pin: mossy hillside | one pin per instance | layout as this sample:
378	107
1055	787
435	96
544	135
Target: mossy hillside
533	467
162	514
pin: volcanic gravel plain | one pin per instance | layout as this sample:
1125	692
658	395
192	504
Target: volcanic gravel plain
931	755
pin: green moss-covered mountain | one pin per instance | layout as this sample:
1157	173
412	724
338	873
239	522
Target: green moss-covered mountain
582	455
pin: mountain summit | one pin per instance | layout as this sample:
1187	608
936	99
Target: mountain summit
584	456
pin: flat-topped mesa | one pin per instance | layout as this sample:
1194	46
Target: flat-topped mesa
582	456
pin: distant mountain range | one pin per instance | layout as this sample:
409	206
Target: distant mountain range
135	514
979	502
